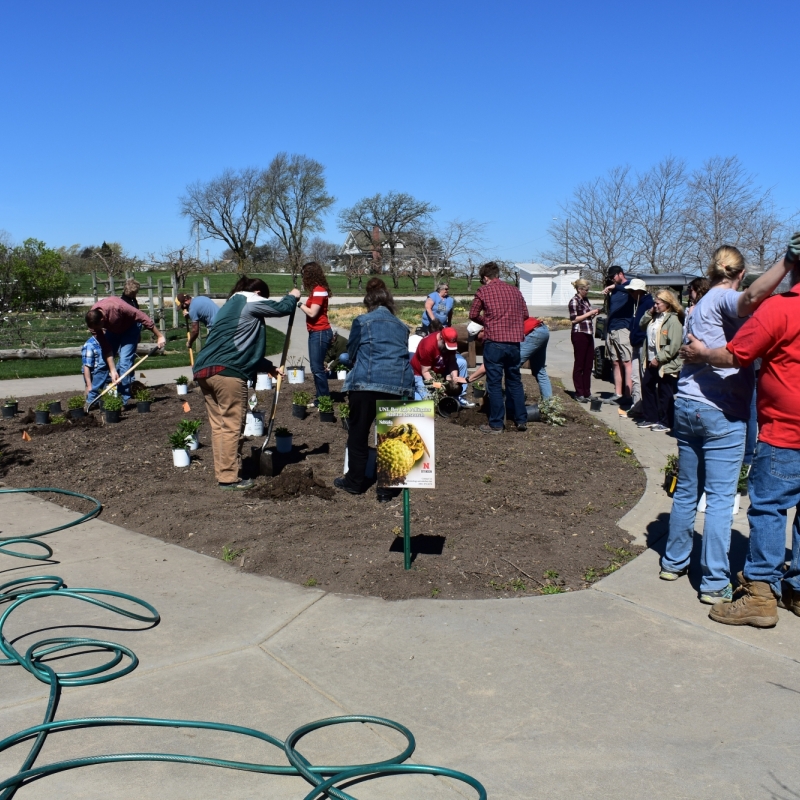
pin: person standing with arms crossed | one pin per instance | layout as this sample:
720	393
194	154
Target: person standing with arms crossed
501	309
618	334
320	333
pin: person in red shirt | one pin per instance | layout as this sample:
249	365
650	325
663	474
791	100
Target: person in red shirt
115	325
435	353
773	335
320	333
500	308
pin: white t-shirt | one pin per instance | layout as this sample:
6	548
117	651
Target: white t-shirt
715	321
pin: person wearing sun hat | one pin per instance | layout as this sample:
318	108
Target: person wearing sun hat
436	353
642	302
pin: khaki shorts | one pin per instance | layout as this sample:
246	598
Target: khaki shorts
619	345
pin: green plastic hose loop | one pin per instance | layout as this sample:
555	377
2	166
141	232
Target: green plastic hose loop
122	660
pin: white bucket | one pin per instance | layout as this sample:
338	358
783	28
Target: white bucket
191	442
372	457
701	506
283	444
182	388
341	374
296	374
254	424
263	382
180	458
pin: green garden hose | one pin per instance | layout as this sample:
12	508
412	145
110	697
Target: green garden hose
122	660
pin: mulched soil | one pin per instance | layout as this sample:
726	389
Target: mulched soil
515	514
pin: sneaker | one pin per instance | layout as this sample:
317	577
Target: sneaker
522	428
464	403
755	605
341	483
666	575
245	483
790	599
489	429
645	424
660	429
580	399
615	398
720	596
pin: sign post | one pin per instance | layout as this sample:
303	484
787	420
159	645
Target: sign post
405	453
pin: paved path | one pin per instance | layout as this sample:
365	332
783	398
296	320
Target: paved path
626	690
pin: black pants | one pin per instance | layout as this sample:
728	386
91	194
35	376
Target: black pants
658	397
362	415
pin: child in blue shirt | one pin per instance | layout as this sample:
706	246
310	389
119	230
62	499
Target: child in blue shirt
91	359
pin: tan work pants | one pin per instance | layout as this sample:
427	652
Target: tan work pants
226	403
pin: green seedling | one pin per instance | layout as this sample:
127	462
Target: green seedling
435	592
518	585
177	440
498	587
310	582
190	426
10	401
590	575
181	380
58	419
228	553
550	574
551	590
43	406
487	478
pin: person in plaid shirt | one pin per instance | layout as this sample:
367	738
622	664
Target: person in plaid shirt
500	308
91	359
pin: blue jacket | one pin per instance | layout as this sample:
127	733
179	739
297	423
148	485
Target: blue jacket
378	349
620	309
637	334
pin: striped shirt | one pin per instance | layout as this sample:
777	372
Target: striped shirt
577	307
319	297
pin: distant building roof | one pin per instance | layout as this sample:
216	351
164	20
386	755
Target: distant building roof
542	269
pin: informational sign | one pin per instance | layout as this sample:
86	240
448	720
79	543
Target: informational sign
406	455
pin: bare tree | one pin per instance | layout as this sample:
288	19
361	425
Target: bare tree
227	209
113	259
394	214
179	262
596	225
321	251
294	203
659	226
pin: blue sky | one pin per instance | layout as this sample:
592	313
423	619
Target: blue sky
491	111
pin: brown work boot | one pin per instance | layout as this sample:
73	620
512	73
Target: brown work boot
754	603
790	598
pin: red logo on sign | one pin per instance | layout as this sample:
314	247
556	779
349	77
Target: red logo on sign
425	465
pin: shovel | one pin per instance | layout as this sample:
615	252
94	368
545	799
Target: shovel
124	374
265	457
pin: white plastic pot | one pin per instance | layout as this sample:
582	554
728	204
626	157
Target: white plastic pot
701	506
180	458
341	374
283	444
263	382
182	388
254	424
191	442
296	374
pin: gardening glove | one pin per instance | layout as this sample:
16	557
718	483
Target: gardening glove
793	251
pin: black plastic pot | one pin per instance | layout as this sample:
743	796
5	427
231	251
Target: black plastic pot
596	404
326	416
670	482
76	413
55	408
448	407
478	393
14	405
9	411
42	417
143	407
113	416
299	411
346	423
533	413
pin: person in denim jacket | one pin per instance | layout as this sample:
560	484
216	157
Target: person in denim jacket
378	350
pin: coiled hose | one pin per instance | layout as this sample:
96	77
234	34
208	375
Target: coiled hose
122	660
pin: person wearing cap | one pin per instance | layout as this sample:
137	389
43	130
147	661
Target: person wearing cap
618	333
500	308
463	367
197	309
642	302
436	353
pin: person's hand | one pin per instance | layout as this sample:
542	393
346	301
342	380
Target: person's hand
460	380
793	251
608	289
654	362
295	293
114	375
161	342
279	371
595	312
188	345
694	352
436	385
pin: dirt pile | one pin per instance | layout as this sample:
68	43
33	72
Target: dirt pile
295	480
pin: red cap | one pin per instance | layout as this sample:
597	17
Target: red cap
450	337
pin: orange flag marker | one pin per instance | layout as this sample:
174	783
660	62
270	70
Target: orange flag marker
25	436
142	375
187	408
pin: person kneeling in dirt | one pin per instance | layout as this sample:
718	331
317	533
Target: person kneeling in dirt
437	352
233	353
115	325
378	349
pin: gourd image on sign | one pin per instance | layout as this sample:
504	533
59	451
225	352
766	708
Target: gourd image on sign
405	431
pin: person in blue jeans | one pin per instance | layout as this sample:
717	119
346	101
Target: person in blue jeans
320	333
711	411
772	334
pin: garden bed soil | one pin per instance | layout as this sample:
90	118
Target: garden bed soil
512	515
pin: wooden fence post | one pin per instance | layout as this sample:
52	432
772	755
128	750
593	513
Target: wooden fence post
110	283
94	285
150	300
161	323
196	289
174	307
206	285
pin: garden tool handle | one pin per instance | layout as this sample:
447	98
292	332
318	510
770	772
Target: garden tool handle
284	356
191	352
118	380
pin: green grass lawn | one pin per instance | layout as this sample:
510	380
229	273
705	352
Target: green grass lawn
49	367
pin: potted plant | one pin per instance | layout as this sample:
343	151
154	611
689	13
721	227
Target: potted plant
478	389
58	419
341	371
670	471
344	415
43	413
283	440
55	407
143	398
300	401
325	405
183	384
263	382
180	453
296	372
9	407
75	406
189	428
112	406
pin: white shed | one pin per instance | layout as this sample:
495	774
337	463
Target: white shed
547	286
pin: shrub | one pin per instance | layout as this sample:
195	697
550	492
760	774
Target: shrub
143	396
479	385
181	380
189	427
551	411
10	401
43	406
344	410
76	401
325	404
177	440
112	402
57	419
282	432
301	398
